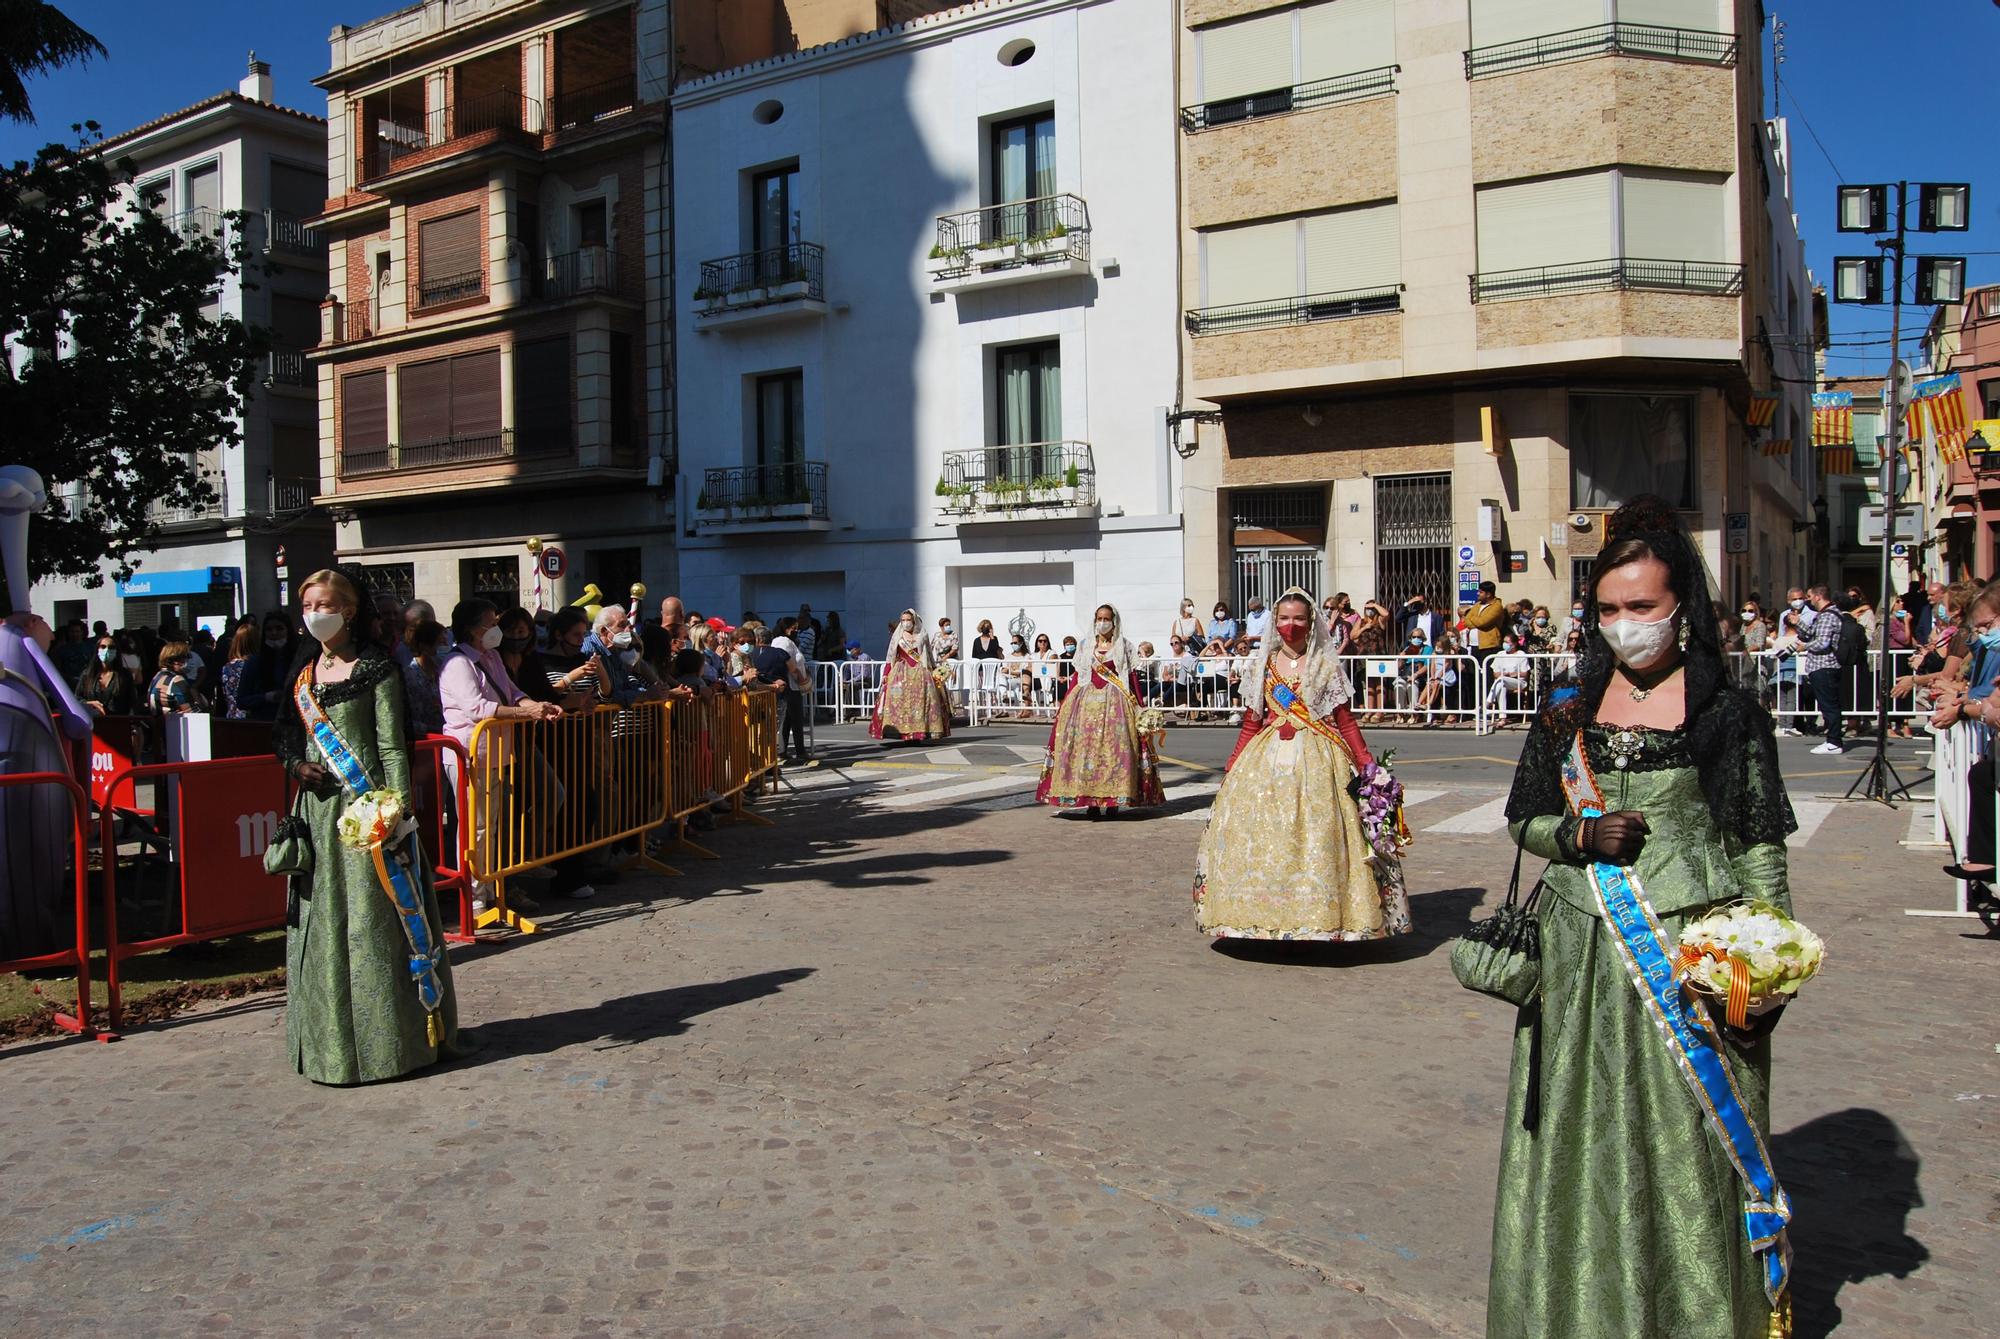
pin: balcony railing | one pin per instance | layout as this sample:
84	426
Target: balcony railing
440	290
1603	39
755	278
194	513
288	235
287	367
746	494
288	495
458	449
355	322
501	110
1304	97
575	108
594	269
1295	311
1599	276
367	460
1035	476
1020	232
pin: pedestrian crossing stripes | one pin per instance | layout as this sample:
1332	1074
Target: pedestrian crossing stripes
985	785
1486	818
1810	814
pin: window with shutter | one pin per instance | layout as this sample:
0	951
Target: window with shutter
450	260
542	395
1497	21
1255	263
475	394
1699	15
1672	218
297	191
364	422
423	402
1251	56
1344	38
1353	249
1555	221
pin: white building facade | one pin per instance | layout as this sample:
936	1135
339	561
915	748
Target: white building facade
928	335
235	151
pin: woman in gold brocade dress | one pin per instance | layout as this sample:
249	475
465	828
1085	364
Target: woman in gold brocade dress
1097	759
911	703
1285	855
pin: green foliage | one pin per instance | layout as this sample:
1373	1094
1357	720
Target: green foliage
1070	476
34	38
132	381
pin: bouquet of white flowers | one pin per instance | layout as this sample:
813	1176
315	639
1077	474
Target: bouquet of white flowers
372	819
1751	956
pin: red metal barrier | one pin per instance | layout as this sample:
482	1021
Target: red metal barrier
77	955
433	783
115	743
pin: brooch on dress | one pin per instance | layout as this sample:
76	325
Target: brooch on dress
1625	747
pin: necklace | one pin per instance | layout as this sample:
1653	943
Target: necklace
1639	690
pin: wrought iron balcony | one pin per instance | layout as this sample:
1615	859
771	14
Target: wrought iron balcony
574	109
1603	39
443	290
1050	232
1625	274
790	495
489	116
353	321
1303	97
288	495
194	513
777	281
593	269
1034	479
287	367
459	449
288	235
1295	311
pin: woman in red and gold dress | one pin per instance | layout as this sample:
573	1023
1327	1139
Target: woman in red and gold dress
1097	758
910	703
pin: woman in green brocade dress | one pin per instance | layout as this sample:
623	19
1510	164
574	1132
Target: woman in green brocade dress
352	1013
1619	1215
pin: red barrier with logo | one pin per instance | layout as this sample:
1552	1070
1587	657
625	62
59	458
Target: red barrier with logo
116	743
77	954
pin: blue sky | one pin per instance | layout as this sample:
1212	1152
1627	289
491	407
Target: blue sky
1855	75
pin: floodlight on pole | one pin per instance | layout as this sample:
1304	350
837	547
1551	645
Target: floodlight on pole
1857	279
1863	209
1940	280
1944	206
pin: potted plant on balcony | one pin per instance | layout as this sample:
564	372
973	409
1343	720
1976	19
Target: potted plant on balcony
1048	245
1046	488
953	498
945	260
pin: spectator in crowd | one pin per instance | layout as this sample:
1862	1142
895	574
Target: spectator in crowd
1066	667
1222	628
137	650
1257	623
791	689
833	634
1925	601
1508	681
265	682
1340	622
858	673
414	613
1418	614
242	648
534	672
202	658
986	658
947	640
391	619
807	633
1047	675
1178	674
74	651
1487	618
1821	663
1862	609
612	643
172	692
1413	676
106	687
673	618
576	672
425	703
1186	626
1371	638
1973	701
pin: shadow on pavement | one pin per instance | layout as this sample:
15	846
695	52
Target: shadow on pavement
1852	1179
1439	918
627	1021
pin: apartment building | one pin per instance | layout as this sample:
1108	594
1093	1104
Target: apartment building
932	323
198	167
1460	276
1962	495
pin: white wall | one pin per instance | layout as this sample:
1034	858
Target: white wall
889	132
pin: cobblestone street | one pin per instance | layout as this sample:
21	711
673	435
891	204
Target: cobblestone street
923	1059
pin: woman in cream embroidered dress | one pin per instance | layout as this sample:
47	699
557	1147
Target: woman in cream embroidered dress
1097	759
1285	856
910	701
352	1014
1620	1215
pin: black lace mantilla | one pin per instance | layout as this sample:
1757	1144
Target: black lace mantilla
1730	741
288	737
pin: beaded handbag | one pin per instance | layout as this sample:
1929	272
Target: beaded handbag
1501	956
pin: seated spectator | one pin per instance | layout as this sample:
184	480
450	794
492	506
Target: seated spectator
1508	680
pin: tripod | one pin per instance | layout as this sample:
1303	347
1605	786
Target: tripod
1873	783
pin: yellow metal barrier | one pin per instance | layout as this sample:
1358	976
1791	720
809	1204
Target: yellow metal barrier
543	791
720	746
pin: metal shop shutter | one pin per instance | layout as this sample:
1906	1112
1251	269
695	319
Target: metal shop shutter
1345	37
1555	221
1257	263
1253	56
423	401
364	411
1673	218
1497	21
448	246
475	394
1353	248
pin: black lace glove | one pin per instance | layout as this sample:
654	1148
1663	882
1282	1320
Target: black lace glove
1615	839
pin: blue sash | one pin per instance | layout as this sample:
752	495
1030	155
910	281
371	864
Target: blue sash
1692	1040
392	858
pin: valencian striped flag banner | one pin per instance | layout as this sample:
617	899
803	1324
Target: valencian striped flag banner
1833	418
1948	417
1763	409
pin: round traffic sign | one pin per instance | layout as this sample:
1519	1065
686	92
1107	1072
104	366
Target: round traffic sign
554	562
1466	555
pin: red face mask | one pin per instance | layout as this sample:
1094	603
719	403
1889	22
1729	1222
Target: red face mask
1293	628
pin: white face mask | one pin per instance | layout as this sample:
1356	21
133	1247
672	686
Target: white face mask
1103	626
621	641
322	624
909	625
490	639
1798	605
1640	646
1749	615
743	648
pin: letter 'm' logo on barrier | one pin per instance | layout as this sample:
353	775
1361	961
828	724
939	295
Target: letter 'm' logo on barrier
254	832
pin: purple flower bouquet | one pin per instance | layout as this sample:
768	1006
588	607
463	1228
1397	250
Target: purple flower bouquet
1380	797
